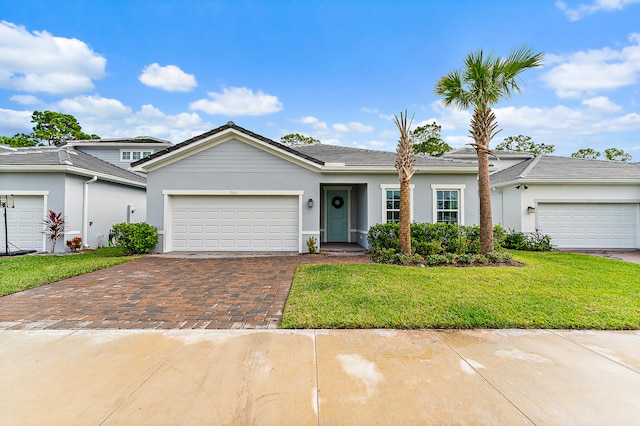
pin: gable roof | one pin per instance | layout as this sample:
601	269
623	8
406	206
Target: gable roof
546	168
321	157
64	159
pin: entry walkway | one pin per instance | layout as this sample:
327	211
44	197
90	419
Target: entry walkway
312	377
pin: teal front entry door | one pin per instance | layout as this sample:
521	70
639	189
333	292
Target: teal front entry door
337	216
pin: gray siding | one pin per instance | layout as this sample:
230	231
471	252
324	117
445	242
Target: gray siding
235	165
110	155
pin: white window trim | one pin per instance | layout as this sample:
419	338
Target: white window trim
443	187
131	151
395	187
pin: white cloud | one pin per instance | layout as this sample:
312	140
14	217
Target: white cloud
236	101
40	62
339	127
12	121
314	121
388	117
587	72
602	103
169	78
359	127
582	10
110	118
25	99
94	106
309	120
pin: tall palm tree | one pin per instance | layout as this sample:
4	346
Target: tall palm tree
405	161
483	82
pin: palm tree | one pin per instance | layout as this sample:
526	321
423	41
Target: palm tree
404	164
483	82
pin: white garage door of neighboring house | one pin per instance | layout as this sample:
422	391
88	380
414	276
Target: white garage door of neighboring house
234	223
582	225
24	223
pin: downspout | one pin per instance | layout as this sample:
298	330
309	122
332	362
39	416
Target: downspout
85	211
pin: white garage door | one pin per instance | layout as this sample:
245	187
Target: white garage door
234	223
24	223
590	225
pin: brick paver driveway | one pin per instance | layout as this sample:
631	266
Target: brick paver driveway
163	293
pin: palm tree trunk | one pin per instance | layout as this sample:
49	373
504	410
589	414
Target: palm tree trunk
405	216
404	164
484	192
483	127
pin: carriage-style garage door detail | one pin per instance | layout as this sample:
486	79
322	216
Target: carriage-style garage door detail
582	225
24	224
234	223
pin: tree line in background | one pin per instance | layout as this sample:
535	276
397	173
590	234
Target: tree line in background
51	128
427	140
55	128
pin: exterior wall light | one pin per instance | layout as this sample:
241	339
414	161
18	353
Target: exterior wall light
531	210
310	203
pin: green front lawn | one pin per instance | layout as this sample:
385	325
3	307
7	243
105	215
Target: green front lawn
553	290
23	272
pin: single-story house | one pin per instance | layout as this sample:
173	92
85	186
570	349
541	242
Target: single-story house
92	195
579	203
233	190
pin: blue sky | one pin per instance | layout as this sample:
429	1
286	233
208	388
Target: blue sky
337	71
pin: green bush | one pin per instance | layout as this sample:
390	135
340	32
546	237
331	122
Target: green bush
435	244
536	241
133	238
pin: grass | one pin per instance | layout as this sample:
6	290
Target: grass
23	272
553	290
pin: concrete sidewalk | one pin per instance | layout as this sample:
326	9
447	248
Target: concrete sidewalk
310	377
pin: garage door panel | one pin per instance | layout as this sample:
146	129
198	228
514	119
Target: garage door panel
585	225
228	223
24	224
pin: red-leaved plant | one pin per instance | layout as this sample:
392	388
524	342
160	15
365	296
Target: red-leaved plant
54	227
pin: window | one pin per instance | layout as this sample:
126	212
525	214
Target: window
131	155
391	203
448	204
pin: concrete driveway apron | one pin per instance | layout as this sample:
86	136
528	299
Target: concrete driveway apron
158	292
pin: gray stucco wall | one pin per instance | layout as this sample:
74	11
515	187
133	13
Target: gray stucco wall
235	165
107	202
108	205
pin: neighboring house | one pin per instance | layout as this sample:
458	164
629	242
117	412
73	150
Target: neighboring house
233	190
502	160
120	151
579	203
92	195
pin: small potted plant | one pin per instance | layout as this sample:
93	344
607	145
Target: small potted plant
75	244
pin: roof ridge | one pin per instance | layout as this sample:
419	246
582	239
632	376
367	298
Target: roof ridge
531	165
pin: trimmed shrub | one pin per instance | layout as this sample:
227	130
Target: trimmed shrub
133	238
536	241
436	244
